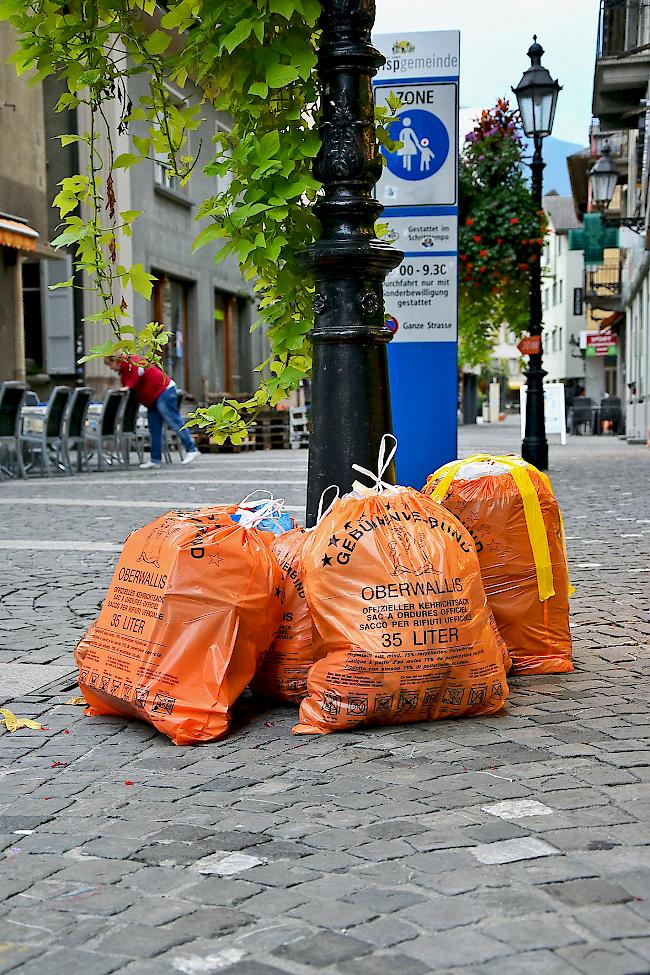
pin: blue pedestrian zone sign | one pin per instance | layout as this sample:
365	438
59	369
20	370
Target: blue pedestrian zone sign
422	171
425	145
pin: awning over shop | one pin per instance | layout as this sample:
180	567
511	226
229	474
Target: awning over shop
17	234
611	322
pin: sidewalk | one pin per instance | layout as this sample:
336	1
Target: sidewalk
496	846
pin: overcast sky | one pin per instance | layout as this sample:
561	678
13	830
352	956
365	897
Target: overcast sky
494	38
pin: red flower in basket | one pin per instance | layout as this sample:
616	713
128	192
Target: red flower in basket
477	240
483	253
469	222
514	220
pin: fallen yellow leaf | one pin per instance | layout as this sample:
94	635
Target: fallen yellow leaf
77	700
12	723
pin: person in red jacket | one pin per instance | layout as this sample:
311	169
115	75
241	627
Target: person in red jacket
157	391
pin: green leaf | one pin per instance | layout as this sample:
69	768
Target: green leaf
158	42
128	216
279	75
125	159
142	145
71	235
259	88
311	10
241	33
141	280
212	232
284	7
67	140
61	284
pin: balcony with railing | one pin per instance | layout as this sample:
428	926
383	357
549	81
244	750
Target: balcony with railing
622	61
604	286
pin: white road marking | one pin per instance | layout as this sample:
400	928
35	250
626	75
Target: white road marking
169	505
517	809
509	851
42	545
185	481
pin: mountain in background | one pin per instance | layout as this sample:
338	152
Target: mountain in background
556	174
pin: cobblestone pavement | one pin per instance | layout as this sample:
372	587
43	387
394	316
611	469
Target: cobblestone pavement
501	846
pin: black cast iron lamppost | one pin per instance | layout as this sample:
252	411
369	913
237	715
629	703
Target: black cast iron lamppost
350	394
537	97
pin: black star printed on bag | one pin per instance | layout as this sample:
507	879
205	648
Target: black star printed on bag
348	526
334	540
326	560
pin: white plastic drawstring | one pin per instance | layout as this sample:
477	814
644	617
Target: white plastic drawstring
383	463
321	513
252	512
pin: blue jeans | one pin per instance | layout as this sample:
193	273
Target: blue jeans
165	410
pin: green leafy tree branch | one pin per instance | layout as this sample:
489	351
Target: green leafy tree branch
254	60
500	233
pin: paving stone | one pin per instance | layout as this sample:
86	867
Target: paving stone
612	922
384	964
384	901
323	949
589	891
13	957
352	829
138	941
249	967
385	932
529	933
603	959
452	948
207	922
69	960
528	962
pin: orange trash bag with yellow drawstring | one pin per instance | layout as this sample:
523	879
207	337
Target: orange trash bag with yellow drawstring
401	625
192	607
510	510
283	672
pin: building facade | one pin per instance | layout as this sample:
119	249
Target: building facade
621	106
562	284
207	307
27	262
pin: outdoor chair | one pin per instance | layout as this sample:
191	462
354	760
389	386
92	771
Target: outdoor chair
611	413
50	437
581	416
105	437
74	428
128	433
12	398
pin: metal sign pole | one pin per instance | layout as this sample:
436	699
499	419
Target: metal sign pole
419	190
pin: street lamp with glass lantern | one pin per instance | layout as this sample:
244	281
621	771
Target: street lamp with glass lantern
537	98
603	177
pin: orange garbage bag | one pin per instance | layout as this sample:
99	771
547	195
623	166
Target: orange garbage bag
283	671
193	605
400	620
509	508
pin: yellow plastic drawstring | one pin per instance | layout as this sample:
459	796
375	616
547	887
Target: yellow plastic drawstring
520	471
